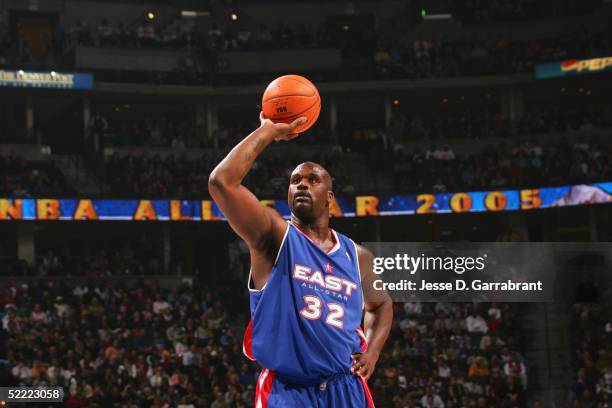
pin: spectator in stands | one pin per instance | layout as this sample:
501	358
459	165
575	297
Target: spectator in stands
476	324
446	153
479	369
516	369
431	400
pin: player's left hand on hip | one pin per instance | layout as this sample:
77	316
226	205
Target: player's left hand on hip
364	364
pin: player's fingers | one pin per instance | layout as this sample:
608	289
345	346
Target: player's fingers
363	371
298	122
286	137
261	116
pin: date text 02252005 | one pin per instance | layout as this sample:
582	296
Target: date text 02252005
32	394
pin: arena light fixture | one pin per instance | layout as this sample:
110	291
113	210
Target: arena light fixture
444	16
194	14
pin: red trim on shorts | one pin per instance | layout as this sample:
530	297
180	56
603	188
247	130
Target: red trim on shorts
264	388
362	339
366	389
247	342
368	394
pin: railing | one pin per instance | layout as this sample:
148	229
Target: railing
166	281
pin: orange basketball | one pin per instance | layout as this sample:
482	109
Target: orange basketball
290	97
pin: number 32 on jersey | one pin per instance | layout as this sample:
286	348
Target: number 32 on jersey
314	311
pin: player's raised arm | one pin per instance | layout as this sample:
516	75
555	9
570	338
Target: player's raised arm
256	224
377	320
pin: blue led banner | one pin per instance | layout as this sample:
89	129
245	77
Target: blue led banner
45	79
359	206
573	67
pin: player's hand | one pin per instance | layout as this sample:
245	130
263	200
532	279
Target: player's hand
281	131
364	364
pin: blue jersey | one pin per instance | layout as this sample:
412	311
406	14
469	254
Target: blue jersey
305	321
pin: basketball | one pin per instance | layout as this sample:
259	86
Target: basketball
290	97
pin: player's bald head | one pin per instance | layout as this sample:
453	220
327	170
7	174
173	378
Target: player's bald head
318	169
310	193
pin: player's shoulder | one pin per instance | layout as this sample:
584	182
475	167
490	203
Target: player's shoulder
363	252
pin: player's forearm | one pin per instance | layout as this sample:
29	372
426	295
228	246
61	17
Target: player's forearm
377	325
232	170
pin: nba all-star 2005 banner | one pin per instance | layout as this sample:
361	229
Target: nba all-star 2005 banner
359	206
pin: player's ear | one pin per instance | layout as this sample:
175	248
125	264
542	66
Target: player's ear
330	197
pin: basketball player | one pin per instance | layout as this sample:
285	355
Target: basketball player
305	286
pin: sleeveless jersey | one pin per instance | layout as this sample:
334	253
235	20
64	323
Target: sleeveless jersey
305	321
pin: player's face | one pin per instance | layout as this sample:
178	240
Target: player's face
309	192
